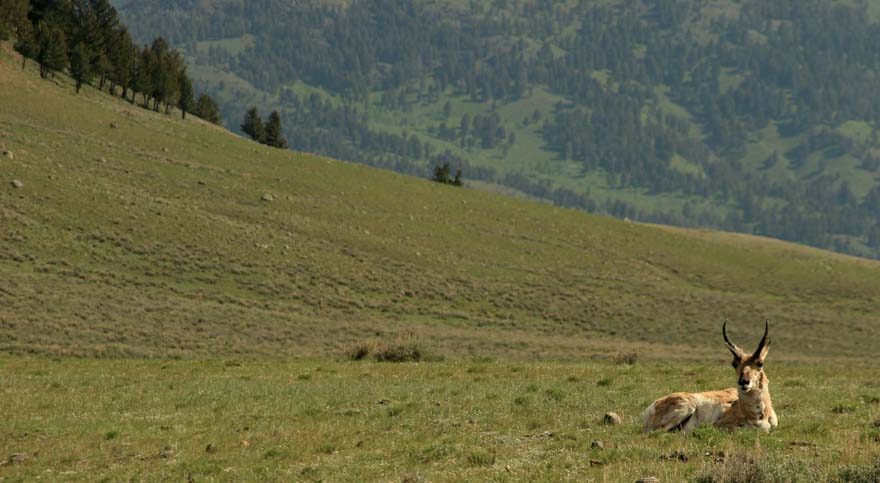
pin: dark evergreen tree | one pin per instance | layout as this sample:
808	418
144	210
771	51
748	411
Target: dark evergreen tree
252	125
52	54
26	44
147	63
80	68
185	99
274	135
13	17
161	79
122	57
207	109
442	173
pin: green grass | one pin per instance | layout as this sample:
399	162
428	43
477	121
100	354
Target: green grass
151	240
88	420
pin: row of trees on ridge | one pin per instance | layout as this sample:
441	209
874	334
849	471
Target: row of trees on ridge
87	39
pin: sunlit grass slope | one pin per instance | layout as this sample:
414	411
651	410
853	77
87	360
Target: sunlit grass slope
171	238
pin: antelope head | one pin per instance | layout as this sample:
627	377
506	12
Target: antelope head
749	367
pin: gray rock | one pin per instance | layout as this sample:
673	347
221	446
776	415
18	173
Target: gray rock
17	184
611	419
267	197
597	445
113	125
18	458
8	154
648	479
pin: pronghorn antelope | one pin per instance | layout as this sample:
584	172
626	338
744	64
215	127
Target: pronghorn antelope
748	404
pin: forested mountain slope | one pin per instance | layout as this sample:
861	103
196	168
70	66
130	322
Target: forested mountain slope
127	232
750	116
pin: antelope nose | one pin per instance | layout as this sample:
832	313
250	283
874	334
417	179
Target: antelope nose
743	382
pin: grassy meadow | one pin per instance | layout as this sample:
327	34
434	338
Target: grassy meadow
476	420
177	303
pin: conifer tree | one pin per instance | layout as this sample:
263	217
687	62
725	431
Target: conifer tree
52	54
121	58
134	68
80	68
26	43
252	125
103	24
207	109
441	173
13	16
144	78
159	76
185	96
274	134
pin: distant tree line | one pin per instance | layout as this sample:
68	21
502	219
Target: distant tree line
87	39
799	68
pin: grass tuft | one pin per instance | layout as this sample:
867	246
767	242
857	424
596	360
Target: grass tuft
625	359
845	407
400	352
480	458
359	351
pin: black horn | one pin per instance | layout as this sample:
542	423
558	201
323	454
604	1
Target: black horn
737	352
764	340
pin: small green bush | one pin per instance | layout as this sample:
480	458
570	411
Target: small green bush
359	351
405	352
481	458
555	394
843	407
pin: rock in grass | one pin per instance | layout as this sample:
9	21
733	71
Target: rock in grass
611	419
597	445
648	479
267	197
675	456
8	154
211	449
17	184
113	125
18	458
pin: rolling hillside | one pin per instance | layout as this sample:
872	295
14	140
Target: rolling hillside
749	116
171	238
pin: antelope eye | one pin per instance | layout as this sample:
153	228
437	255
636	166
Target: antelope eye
759	364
